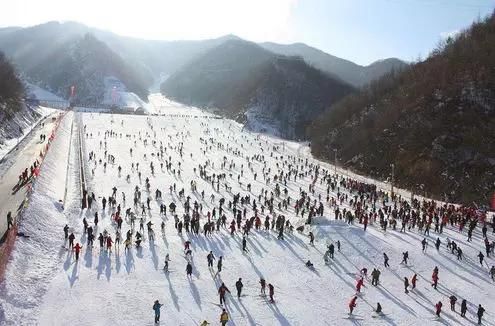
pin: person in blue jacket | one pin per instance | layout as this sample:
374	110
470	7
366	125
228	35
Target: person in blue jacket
156	308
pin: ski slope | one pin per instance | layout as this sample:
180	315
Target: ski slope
46	286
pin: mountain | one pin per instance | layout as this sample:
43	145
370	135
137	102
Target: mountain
85	62
15	116
346	70
27	47
11	89
154	59
435	121
74	57
246	82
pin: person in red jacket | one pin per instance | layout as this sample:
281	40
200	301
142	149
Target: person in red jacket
438	308
414	280
109	243
352	304
77	248
221	291
359	284
434	277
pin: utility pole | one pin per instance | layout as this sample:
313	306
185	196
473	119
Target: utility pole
392	181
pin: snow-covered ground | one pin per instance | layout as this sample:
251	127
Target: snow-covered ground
46	286
35	260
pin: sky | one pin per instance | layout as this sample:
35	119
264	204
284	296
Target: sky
362	31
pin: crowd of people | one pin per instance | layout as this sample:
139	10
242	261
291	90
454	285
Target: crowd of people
272	208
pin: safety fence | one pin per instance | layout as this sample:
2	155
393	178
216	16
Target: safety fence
9	238
68	164
81	150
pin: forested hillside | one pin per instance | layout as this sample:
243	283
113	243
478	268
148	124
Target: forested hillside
346	70
435	121
269	92
11	88
85	62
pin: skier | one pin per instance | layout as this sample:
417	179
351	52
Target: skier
378	309
117	240
424	244
210	258
331	250
189	270
77	248
480	313
101	239
437	244
167	259
463	308
244	242
352	304
434	277
359	284
311	238
85	224
385	260
219	264
238	286
156	307
453	300
71	240
438	308
413	281
221	291
271	292
406	285
188	255
109	243
375	274
66	233
481	257
138	239
263	285
224	317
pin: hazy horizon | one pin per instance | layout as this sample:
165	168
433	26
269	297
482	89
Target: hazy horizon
362	31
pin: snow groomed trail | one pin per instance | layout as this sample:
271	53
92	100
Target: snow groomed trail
34	259
46	286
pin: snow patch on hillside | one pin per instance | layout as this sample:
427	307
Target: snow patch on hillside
39	93
258	121
14	129
116	94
